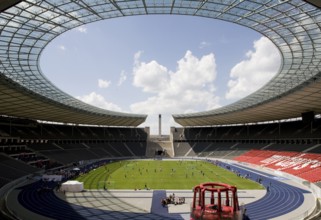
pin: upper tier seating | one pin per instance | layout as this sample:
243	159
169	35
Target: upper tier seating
70	143
27	130
292	131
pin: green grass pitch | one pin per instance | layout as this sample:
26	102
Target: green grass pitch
159	174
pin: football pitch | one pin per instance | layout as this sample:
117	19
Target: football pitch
161	174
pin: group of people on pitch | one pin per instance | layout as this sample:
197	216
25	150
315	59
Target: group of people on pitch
172	199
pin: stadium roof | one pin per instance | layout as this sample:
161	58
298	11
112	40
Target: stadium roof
294	27
28	26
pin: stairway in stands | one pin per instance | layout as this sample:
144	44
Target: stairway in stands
156	143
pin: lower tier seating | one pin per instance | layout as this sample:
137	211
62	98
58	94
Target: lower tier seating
304	165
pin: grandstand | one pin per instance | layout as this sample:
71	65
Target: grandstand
274	132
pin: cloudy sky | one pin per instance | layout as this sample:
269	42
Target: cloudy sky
160	65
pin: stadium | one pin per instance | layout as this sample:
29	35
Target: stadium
272	137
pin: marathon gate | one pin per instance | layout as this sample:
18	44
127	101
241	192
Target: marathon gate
215	201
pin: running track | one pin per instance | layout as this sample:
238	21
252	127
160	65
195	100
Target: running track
281	199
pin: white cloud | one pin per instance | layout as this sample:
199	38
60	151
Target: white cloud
137	56
189	89
62	47
82	29
98	100
204	44
103	83
151	76
122	78
251	74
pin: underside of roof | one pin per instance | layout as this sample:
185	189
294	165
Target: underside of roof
305	98
23	103
315	2
28	26
5	4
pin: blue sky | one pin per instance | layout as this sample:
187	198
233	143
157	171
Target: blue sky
160	64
